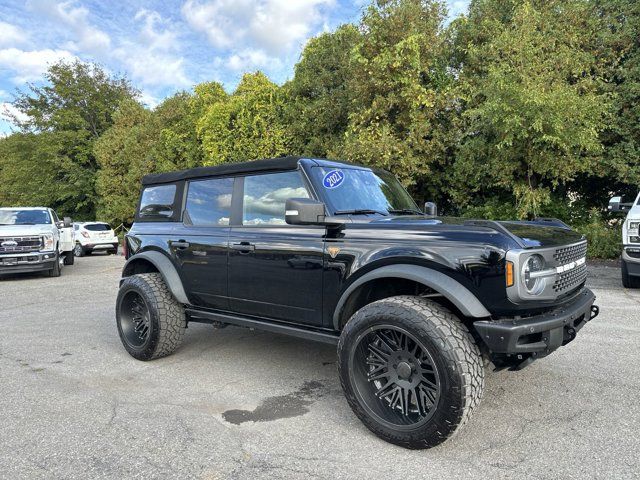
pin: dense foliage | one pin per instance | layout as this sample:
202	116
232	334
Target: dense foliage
520	108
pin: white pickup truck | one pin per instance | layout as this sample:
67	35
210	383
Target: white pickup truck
630	240
34	239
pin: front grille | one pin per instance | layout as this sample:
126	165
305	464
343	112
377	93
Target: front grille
564	255
575	276
20	244
568	280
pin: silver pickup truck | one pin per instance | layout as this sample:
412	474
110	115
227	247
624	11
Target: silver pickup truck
34	239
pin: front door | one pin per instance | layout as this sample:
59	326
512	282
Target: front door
275	269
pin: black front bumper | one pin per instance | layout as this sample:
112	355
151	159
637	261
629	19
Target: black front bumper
539	335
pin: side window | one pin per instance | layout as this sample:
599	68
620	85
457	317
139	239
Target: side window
265	196
55	216
157	202
209	202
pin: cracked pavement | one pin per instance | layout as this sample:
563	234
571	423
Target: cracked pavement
74	404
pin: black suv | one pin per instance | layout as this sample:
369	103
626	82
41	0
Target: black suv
416	304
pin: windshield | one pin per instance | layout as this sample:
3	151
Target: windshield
353	189
24	217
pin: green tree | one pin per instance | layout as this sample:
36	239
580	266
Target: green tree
124	155
31	171
245	125
319	97
74	108
618	43
399	83
531	100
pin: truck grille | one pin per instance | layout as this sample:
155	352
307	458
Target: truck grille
570	254
572	278
20	244
575	276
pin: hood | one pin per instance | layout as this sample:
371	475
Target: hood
24	230
533	234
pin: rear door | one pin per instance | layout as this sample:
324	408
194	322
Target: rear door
201	240
275	269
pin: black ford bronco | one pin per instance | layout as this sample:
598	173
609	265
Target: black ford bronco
417	304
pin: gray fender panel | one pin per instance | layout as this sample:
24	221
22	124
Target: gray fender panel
166	269
459	295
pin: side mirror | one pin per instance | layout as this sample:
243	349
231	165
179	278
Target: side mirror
67	222
616	205
306	211
431	209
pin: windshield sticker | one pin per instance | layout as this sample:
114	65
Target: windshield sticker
333	179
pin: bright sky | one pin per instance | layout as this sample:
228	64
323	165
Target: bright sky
165	46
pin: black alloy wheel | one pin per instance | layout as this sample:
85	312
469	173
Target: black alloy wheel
135	319
395	377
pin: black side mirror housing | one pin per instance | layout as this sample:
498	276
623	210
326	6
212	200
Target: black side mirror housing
307	211
616	205
431	209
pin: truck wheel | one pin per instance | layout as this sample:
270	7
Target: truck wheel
56	270
150	321
78	251
69	258
410	370
628	281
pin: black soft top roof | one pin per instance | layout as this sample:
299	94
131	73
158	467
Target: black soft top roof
255	166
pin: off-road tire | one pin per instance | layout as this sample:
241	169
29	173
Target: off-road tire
56	271
455	354
69	258
628	281
167	317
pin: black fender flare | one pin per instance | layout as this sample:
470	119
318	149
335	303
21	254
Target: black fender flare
452	290
166	269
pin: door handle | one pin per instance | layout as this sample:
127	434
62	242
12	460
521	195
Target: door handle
180	245
244	247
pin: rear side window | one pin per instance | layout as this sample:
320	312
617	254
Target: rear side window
265	197
97	227
209	202
157	202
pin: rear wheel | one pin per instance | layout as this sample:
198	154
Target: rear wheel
69	258
629	281
410	370
150	321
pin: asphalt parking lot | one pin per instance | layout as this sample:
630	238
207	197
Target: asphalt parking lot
236	403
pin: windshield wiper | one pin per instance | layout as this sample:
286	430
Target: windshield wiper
405	211
360	211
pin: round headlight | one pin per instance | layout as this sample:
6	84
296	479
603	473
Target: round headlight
535	263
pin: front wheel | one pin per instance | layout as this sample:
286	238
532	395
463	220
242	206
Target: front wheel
410	370
56	271
78	250
150	320
628	281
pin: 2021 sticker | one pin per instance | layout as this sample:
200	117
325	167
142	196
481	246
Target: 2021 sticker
333	179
